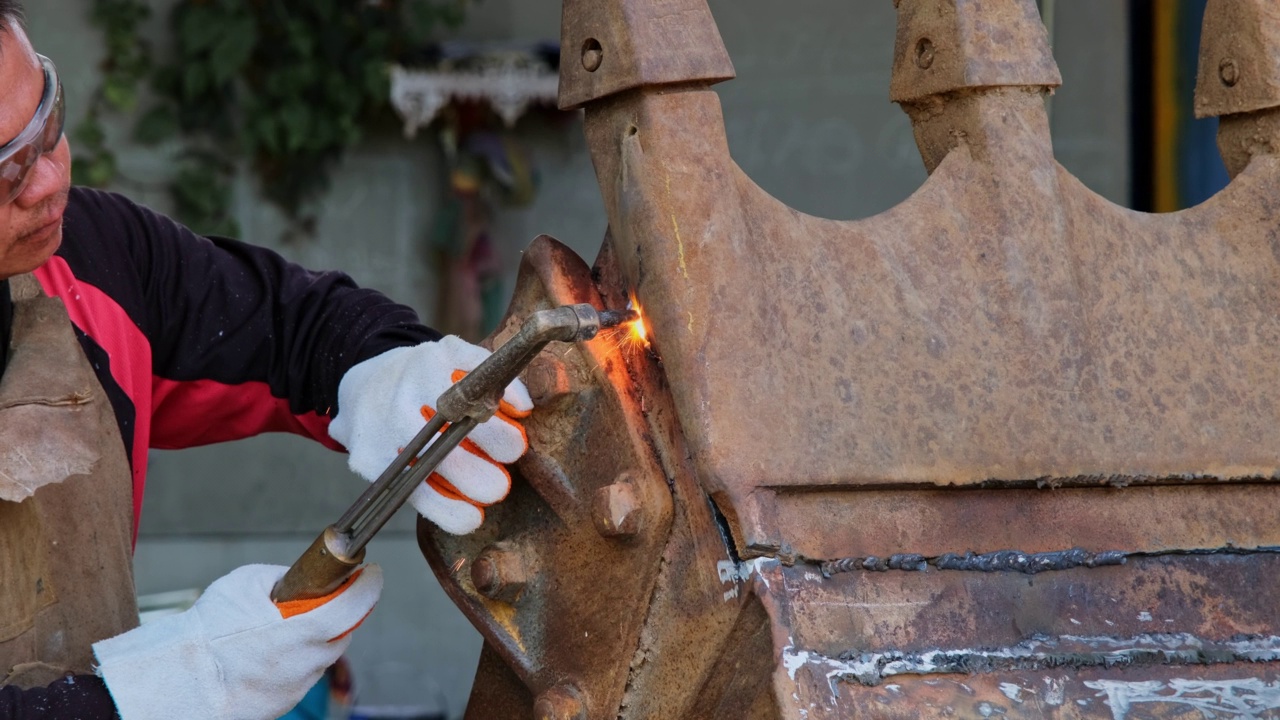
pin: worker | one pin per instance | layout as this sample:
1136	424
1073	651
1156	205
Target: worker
121	330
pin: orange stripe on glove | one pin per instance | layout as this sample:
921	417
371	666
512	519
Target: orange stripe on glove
382	402
293	608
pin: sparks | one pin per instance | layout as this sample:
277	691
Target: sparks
639	333
631	336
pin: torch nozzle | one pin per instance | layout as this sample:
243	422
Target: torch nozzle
614	318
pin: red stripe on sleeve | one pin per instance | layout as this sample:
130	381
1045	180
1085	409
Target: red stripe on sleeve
203	412
101	318
170	414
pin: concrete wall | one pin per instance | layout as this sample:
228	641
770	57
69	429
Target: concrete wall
808	118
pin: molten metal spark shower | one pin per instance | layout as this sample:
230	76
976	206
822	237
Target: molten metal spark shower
627	330
638	333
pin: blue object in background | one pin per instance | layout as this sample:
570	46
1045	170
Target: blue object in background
314	705
1201	173
394	714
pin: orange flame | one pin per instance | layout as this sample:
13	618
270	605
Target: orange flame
639	333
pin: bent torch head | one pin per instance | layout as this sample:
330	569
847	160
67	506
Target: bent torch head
614	318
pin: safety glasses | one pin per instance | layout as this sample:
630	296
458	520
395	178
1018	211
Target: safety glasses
41	136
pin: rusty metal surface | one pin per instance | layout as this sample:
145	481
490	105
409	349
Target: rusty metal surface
906	644
1008	349
1005	449
1004	323
619	45
942	47
933	522
910	611
544	539
610	606
1239	78
1239	69
1240	136
497	692
695	634
1227	691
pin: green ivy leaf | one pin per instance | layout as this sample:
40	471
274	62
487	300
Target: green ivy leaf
232	51
296	120
159	124
120	93
96	170
291	84
377	80
264	131
301	40
89	132
199	27
195	80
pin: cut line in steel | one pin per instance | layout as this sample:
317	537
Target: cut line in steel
1040	653
1008	560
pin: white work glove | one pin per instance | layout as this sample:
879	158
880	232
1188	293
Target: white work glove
385	401
235	654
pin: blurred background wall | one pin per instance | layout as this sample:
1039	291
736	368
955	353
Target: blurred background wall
808	118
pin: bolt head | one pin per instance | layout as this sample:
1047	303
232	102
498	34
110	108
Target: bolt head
563	702
1228	72
924	53
499	574
592	55
547	379
617	509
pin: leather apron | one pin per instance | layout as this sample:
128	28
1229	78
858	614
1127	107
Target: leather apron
66	508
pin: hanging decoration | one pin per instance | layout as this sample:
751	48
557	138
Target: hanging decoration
509	82
473	96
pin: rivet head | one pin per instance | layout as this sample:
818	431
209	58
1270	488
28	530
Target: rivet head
1228	72
924	53
592	55
499	574
563	702
616	508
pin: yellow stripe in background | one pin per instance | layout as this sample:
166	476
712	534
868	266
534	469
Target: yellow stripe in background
1165	105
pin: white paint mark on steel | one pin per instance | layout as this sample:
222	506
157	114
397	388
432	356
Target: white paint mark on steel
833	669
873	668
1244	698
867	605
793	661
1055	692
1012	691
731	572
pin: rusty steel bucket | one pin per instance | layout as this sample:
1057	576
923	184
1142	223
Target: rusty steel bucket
1006	449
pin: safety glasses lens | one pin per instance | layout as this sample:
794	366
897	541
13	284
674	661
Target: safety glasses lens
15	168
14	171
54	125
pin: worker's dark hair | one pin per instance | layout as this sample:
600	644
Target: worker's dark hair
10	10
10	14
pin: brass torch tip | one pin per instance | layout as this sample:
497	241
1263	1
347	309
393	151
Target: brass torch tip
614	318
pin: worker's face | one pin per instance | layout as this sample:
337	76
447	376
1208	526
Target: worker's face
30	225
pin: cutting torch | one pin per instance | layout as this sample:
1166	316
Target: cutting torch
339	549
